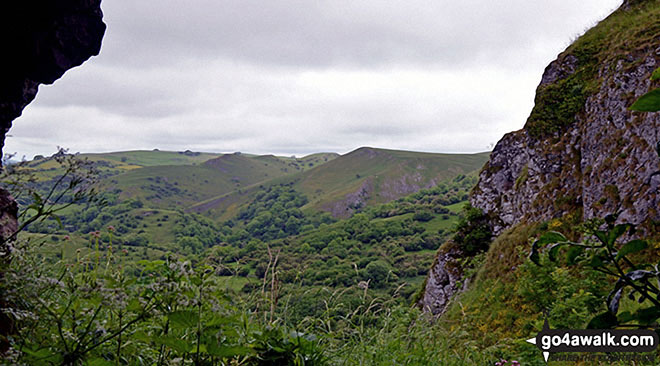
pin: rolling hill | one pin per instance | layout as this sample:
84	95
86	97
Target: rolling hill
364	177
179	186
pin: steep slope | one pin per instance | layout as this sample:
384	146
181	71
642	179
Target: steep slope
582	153
364	177
368	176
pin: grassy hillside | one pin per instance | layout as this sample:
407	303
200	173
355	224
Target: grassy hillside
183	185
362	178
369	176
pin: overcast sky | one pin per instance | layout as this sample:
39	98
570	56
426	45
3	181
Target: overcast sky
300	76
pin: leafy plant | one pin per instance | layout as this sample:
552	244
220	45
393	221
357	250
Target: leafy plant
75	185
602	252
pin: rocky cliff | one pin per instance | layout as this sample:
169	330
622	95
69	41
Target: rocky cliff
581	150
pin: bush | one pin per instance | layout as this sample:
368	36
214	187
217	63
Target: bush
473	234
423	216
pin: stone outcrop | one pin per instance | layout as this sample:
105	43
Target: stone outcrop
443	281
582	151
598	164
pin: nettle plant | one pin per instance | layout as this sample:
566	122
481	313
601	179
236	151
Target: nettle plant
603	252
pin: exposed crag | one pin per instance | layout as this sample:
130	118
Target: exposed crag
581	151
581	148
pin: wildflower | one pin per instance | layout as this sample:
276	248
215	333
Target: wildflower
515	363
66	237
111	228
124	251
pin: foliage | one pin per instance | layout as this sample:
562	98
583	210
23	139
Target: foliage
624	32
602	252
87	311
473	233
73	186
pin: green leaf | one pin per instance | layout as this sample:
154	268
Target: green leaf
602	236
573	252
100	362
551	237
647	315
649	102
175	343
37	199
625	317
142	336
184	319
616	232
603	321
43	354
219	320
631	247
596	261
218	350
554	251
656	74
134	305
59	221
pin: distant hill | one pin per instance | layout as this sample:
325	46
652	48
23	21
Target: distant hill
369	176
179	186
113	163
364	177
219	185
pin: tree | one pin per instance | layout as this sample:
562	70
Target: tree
378	271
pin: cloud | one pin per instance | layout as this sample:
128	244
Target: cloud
295	77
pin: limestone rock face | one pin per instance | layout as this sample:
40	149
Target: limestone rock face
581	152
601	163
443	280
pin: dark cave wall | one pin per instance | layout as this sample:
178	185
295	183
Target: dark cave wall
40	40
